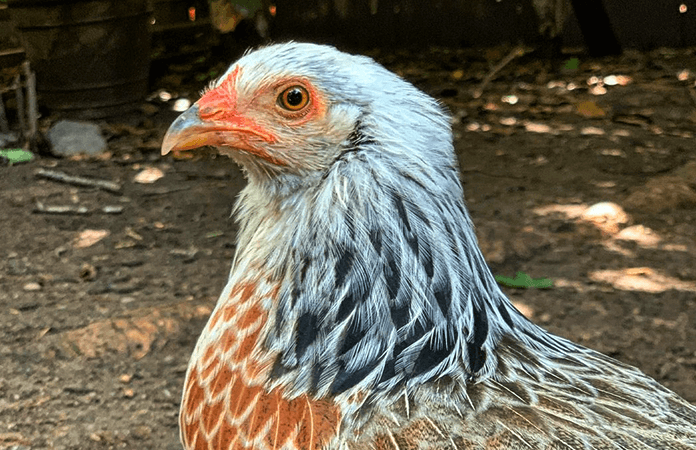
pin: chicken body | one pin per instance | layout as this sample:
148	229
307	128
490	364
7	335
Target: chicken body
359	311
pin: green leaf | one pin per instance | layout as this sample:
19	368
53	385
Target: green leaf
16	155
572	64
523	281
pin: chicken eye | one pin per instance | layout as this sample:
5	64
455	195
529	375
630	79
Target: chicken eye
294	98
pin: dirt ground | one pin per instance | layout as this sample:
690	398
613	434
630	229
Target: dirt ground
99	312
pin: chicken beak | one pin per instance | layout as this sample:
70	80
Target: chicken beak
188	131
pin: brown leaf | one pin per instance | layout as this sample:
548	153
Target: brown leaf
590	110
88	238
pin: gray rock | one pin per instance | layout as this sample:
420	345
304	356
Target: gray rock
7	139
69	138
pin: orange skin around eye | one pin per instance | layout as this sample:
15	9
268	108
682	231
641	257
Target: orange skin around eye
219	105
226	126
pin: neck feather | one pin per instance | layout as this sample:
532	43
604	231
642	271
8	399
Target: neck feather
382	286
381	282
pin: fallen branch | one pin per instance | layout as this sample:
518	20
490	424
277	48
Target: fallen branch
63	177
517	51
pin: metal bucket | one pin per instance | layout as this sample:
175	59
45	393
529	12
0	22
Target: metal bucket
91	57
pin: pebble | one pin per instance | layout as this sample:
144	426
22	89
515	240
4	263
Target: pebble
142	432
32	286
68	137
7	139
125	378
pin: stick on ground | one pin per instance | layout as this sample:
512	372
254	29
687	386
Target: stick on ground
63	177
517	51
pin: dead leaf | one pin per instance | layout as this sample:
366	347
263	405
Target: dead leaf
148	175
607	216
590	110
457	74
88	238
641	235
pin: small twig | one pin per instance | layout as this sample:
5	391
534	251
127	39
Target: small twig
164	191
75	209
60	209
517	51
112	209
79	181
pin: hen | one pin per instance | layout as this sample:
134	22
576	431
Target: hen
359	311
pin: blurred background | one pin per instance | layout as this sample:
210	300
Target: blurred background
98	57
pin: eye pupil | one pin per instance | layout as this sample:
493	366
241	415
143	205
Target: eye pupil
295	97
